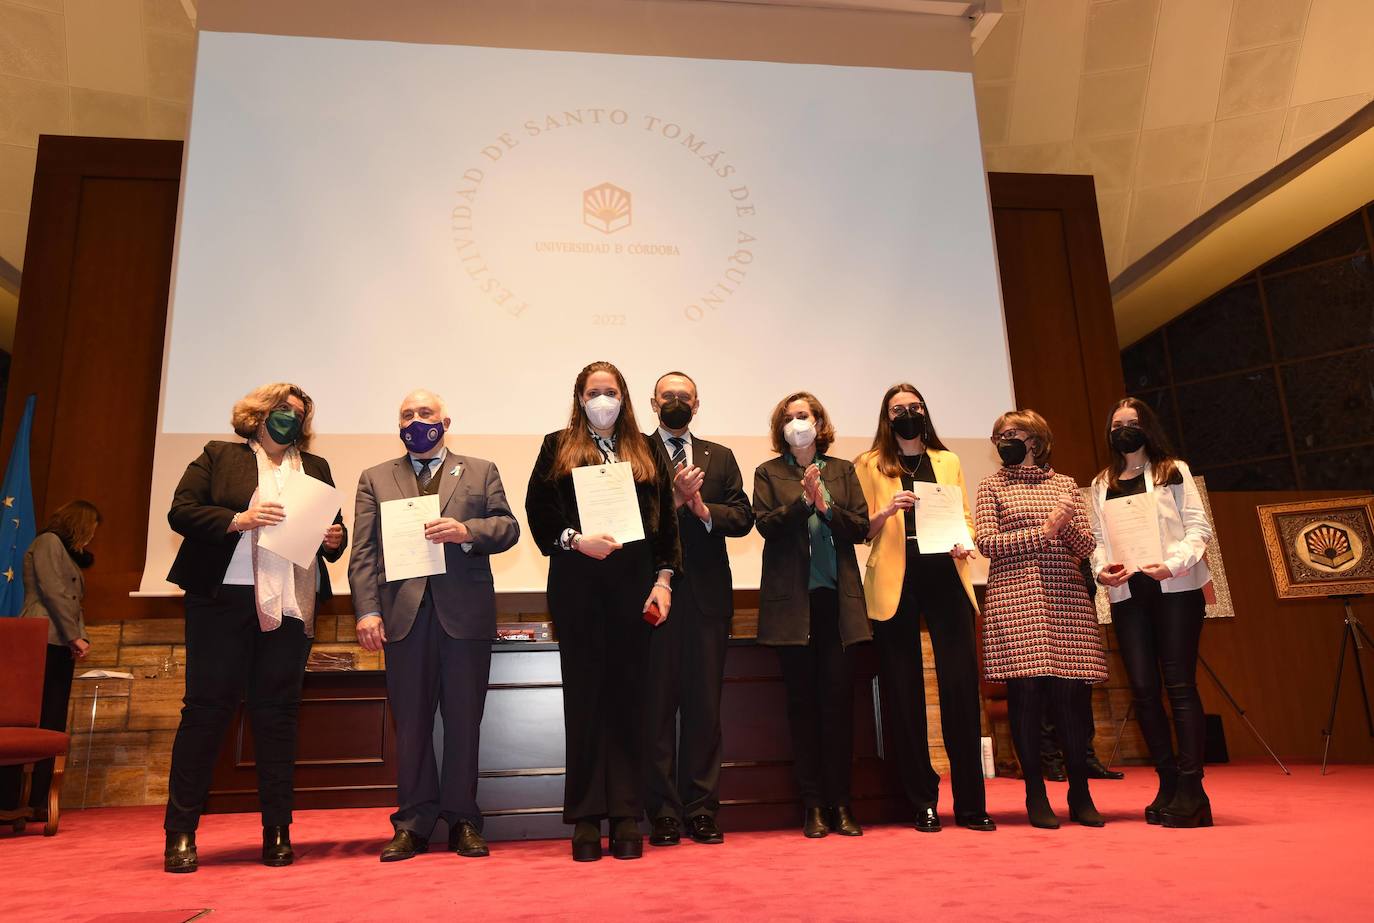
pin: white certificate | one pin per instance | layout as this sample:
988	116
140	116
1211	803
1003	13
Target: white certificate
406	552
940	523
607	503
1132	528
310	506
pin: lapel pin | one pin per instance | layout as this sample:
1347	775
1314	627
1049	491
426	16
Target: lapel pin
456	469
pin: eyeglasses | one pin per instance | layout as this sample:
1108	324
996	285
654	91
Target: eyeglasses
905	410
1010	434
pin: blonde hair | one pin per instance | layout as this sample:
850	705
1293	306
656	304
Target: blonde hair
1032	423
252	409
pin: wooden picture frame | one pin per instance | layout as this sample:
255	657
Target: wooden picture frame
1320	547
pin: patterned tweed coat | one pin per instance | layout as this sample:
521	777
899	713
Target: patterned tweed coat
1039	619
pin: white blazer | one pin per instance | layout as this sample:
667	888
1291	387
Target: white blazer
1184	532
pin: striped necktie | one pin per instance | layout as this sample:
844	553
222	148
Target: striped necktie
426	472
679	450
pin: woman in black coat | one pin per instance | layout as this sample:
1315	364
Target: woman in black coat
600	593
810	510
250	614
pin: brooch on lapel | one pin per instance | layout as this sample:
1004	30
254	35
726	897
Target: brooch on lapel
457	469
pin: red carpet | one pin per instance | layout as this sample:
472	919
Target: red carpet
1289	848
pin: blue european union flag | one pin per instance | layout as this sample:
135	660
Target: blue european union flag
18	528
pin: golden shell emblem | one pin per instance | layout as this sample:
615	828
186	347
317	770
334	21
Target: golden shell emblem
606	208
1329	547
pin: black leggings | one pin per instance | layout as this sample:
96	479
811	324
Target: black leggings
1158	633
1027	699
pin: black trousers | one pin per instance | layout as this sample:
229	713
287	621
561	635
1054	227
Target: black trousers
603	645
1159	633
683	737
932	589
819	677
1027	699
427	671
1051	746
230	659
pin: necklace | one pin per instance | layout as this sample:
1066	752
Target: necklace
911	472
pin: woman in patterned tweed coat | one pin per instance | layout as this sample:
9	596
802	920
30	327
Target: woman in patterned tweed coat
1040	632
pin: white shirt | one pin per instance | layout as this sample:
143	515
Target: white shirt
240	572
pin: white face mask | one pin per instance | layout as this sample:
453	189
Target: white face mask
602	411
799	433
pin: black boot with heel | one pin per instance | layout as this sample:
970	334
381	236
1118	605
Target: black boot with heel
1190	806
1168	787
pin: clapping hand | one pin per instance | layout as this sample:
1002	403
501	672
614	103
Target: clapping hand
687	484
811	487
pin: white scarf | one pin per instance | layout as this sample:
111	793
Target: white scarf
282	588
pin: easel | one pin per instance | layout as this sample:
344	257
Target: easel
1350	631
1121	729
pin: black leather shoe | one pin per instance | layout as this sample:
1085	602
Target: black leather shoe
975	822
404	845
814	826
626	840
1053	772
464	839
1097	771
666	832
180	853
276	846
927	821
586	841
704	829
843	823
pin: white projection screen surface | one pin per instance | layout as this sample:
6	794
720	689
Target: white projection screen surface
366	217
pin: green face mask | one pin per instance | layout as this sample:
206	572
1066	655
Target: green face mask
283	426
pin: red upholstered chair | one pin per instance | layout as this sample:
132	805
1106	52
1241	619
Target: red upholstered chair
23	653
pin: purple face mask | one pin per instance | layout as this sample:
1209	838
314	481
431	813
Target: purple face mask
421	435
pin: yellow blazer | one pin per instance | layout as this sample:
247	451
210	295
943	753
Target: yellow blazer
887	558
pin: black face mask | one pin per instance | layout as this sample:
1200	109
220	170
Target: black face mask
910	426
675	414
1013	451
1127	439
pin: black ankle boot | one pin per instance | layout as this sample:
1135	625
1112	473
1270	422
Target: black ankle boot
276	846
180	853
1168	787
586	841
814	826
626	840
1081	807
1190	806
1039	812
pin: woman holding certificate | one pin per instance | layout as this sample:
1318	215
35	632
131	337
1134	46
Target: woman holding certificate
1152	535
1040	633
909	576
250	613
600	505
810	510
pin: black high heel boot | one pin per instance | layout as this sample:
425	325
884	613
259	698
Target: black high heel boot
276	846
1168	787
1038	810
586	840
626	840
180	853
1190	806
1081	807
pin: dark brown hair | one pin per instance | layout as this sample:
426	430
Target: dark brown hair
825	433
1157	447
577	448
885	442
1033	424
74	523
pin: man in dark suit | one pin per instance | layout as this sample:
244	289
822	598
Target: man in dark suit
437	631
687	652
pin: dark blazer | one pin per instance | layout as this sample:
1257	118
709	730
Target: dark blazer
705	562
551	507
53	589
781	513
464	595
218	484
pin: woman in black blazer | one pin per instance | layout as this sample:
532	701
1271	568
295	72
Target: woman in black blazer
599	594
250	614
810	510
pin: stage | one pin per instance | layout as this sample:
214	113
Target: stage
1284	848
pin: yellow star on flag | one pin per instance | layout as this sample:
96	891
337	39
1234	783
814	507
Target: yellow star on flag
9	501
9	574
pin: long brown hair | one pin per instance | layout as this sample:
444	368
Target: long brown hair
577	448
825	431
74	522
1157	447
885	442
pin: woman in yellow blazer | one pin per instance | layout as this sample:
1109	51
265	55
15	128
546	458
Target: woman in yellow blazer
905	582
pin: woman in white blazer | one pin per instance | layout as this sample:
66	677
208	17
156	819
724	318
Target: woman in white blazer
1158	606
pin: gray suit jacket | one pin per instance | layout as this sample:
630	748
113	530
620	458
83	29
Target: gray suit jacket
464	596
53	589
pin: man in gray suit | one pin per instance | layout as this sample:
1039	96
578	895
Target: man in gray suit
437	631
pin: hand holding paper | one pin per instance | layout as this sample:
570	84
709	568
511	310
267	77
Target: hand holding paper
313	504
